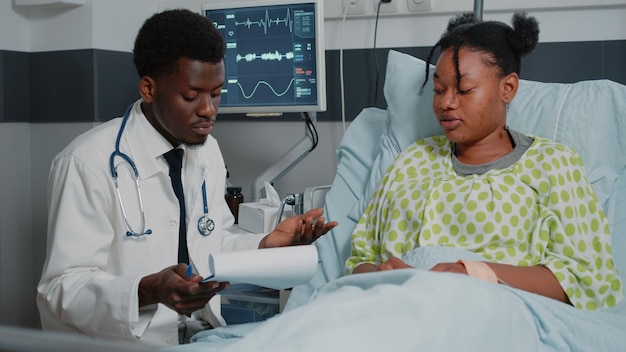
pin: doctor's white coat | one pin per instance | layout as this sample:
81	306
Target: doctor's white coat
92	270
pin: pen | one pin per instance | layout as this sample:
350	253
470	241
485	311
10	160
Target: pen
189	272
188	275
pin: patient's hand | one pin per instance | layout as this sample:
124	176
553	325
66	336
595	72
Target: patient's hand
392	264
450	267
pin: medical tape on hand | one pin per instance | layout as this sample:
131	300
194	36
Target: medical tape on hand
479	270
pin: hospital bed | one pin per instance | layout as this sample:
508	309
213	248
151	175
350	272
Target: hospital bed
415	309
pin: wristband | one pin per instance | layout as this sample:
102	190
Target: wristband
479	270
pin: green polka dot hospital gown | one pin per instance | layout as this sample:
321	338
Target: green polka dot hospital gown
541	210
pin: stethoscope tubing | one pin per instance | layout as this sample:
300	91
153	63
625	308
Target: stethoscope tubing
205	224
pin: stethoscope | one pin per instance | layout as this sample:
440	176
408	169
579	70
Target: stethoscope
205	224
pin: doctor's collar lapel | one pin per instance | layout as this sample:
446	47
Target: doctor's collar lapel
145	144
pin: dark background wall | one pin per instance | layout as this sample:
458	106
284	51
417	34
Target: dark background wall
96	85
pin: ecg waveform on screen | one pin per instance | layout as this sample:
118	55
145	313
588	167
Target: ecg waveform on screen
259	83
268	22
269	56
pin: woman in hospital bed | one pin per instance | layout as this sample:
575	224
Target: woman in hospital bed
518	208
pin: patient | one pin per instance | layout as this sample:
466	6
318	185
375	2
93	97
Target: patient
523	203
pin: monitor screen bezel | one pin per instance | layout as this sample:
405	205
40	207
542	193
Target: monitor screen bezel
320	57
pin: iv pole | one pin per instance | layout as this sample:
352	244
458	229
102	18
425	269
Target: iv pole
478	9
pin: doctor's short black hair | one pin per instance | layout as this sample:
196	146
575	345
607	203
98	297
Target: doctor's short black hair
506	45
170	35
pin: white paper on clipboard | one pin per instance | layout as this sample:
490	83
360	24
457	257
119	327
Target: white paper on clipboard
276	268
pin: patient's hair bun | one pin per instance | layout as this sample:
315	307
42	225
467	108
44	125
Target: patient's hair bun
525	34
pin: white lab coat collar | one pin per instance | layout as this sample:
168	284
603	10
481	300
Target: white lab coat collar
146	146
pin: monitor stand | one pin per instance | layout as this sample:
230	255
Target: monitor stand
292	157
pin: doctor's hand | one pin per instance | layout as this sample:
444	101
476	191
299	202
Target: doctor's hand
172	288
298	229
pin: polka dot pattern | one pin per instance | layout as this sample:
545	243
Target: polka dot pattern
539	211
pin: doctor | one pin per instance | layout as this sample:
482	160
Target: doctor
121	272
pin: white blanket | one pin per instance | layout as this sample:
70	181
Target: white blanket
414	309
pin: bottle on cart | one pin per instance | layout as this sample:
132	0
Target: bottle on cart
233	199
228	184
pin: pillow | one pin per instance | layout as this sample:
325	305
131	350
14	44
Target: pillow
355	154
410	117
358	149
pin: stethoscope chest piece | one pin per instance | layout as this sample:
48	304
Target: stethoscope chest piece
205	225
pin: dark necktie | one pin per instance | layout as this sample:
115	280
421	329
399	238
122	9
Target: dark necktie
175	159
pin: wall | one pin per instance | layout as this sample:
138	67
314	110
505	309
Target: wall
16	235
561	21
16	230
579	40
